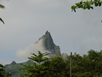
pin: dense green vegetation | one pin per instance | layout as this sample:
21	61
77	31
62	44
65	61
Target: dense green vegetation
2	71
13	68
82	66
35	68
89	65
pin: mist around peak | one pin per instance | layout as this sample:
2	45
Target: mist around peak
34	48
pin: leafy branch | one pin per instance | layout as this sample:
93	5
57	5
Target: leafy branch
86	4
2	6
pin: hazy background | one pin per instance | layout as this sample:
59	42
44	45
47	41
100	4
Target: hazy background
27	20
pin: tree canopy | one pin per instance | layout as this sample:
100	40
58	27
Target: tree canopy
35	68
88	65
49	68
2	71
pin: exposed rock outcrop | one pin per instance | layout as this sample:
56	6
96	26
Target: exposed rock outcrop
13	62
49	44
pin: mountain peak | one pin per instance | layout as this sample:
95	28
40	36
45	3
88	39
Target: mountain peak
13	62
47	33
49	44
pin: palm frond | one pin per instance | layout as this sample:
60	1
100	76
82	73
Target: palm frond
2	6
2	21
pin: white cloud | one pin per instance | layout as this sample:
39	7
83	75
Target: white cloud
34	48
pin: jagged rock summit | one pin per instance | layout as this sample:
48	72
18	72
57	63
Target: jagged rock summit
13	62
49	44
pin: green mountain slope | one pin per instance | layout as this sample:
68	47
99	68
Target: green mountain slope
14	67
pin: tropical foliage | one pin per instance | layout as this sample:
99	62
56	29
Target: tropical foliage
86	4
2	71
82	66
2	6
35	68
88	65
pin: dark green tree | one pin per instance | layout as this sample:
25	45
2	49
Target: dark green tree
57	67
35	68
8	74
89	65
39	58
45	67
2	71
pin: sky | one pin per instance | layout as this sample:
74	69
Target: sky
27	20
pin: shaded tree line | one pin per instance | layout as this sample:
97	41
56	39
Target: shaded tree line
89	65
3	73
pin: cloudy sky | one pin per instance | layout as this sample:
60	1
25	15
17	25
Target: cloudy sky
27	20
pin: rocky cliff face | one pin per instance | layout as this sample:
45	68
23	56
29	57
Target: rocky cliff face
49	44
